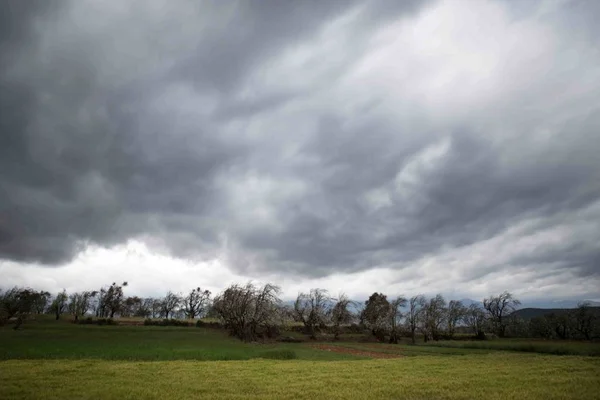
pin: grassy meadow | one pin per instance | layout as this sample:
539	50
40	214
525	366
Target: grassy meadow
54	360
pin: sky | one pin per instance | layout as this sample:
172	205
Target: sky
400	147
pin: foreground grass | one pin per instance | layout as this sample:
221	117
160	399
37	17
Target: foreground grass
491	376
529	346
144	343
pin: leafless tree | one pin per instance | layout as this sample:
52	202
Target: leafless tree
249	312
395	316
170	303
79	303
341	314
415	307
110	300
474	318
498	308
434	314
312	309
156	308
455	313
195	303
59	304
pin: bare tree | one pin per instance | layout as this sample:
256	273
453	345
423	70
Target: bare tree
455	313
376	315
59	304
434	314
170	303
415	307
156	308
340	314
79	303
395	316
249	312
312	309
474	318
110	300
195	303
498	308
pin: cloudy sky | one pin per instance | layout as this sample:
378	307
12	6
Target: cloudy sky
404	147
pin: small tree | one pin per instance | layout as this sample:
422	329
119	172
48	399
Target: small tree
40	302
79	303
434	316
110	300
312	309
455	313
195	303
498	308
376	315
155	307
170	303
59	304
340	314
474	318
415	307
249	312
395	315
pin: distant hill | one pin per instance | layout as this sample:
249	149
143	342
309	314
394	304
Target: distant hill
528	313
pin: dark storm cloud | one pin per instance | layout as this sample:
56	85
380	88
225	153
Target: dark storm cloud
83	160
160	126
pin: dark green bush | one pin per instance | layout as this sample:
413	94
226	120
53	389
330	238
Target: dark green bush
98	321
166	322
279	355
203	324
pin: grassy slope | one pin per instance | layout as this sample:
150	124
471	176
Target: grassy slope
63	360
64	340
529	346
491	376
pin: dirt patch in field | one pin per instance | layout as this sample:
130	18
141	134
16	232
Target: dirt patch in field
355	352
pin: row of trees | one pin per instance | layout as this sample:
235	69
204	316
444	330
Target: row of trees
433	318
579	323
251	312
107	302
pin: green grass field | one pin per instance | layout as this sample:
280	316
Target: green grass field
141	343
529	346
61	360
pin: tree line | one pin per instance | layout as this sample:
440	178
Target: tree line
107	302
251	312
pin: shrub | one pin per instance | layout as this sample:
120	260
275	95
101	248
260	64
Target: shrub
98	321
289	339
279	355
204	324
166	322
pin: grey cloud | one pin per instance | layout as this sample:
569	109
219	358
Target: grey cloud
99	150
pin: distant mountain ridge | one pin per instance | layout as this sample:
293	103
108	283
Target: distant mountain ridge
545	304
528	313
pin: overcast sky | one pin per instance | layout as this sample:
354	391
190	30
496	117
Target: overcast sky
396	146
